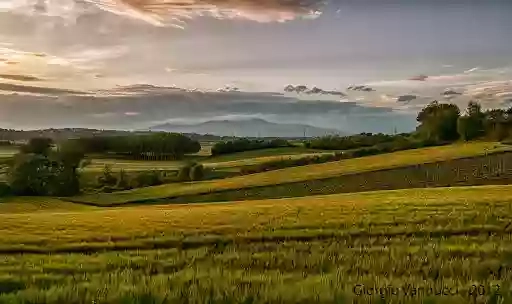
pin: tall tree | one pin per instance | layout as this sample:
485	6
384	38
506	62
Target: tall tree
471	125
438	121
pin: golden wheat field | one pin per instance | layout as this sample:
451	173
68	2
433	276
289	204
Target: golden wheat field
327	249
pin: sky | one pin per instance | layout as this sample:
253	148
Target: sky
78	47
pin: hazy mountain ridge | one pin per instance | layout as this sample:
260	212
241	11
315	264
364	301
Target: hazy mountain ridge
248	128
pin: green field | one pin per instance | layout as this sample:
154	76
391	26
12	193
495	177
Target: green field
218	162
307	250
298	174
7	152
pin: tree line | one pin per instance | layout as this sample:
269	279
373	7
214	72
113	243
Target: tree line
445	122
334	142
241	145
438	123
156	146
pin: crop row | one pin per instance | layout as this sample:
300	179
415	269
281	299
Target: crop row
482	170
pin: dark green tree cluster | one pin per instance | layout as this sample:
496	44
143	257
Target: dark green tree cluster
444	122
40	170
157	146
191	172
438	121
241	145
350	142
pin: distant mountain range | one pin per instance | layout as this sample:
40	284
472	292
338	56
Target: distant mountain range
248	128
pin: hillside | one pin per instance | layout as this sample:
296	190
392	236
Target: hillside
248	128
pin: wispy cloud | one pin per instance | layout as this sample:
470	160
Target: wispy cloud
15	88
471	70
173	12
20	77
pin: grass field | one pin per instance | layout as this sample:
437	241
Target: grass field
298	174
7	152
10	205
277	152
218	162
308	250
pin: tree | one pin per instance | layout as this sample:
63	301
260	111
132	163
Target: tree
184	173
30	174
471	125
497	124
160	145
39	171
123	181
196	172
438	121
38	145
107	179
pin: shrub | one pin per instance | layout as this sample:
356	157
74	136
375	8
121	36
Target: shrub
146	179
5	190
107	178
123	181
184	172
196	173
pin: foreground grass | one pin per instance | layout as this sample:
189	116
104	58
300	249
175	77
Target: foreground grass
297	174
307	250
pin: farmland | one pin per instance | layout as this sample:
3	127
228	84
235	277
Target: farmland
299	174
259	251
254	246
218	162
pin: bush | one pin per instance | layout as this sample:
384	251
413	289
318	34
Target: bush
5	190
147	179
123	181
196	173
184	173
107	178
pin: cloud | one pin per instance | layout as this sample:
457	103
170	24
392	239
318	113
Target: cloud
360	88
172	12
490	90
313	91
406	98
108	111
471	70
450	92
20	77
16	88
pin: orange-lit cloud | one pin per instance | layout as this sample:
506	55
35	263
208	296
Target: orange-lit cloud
174	12
19	77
